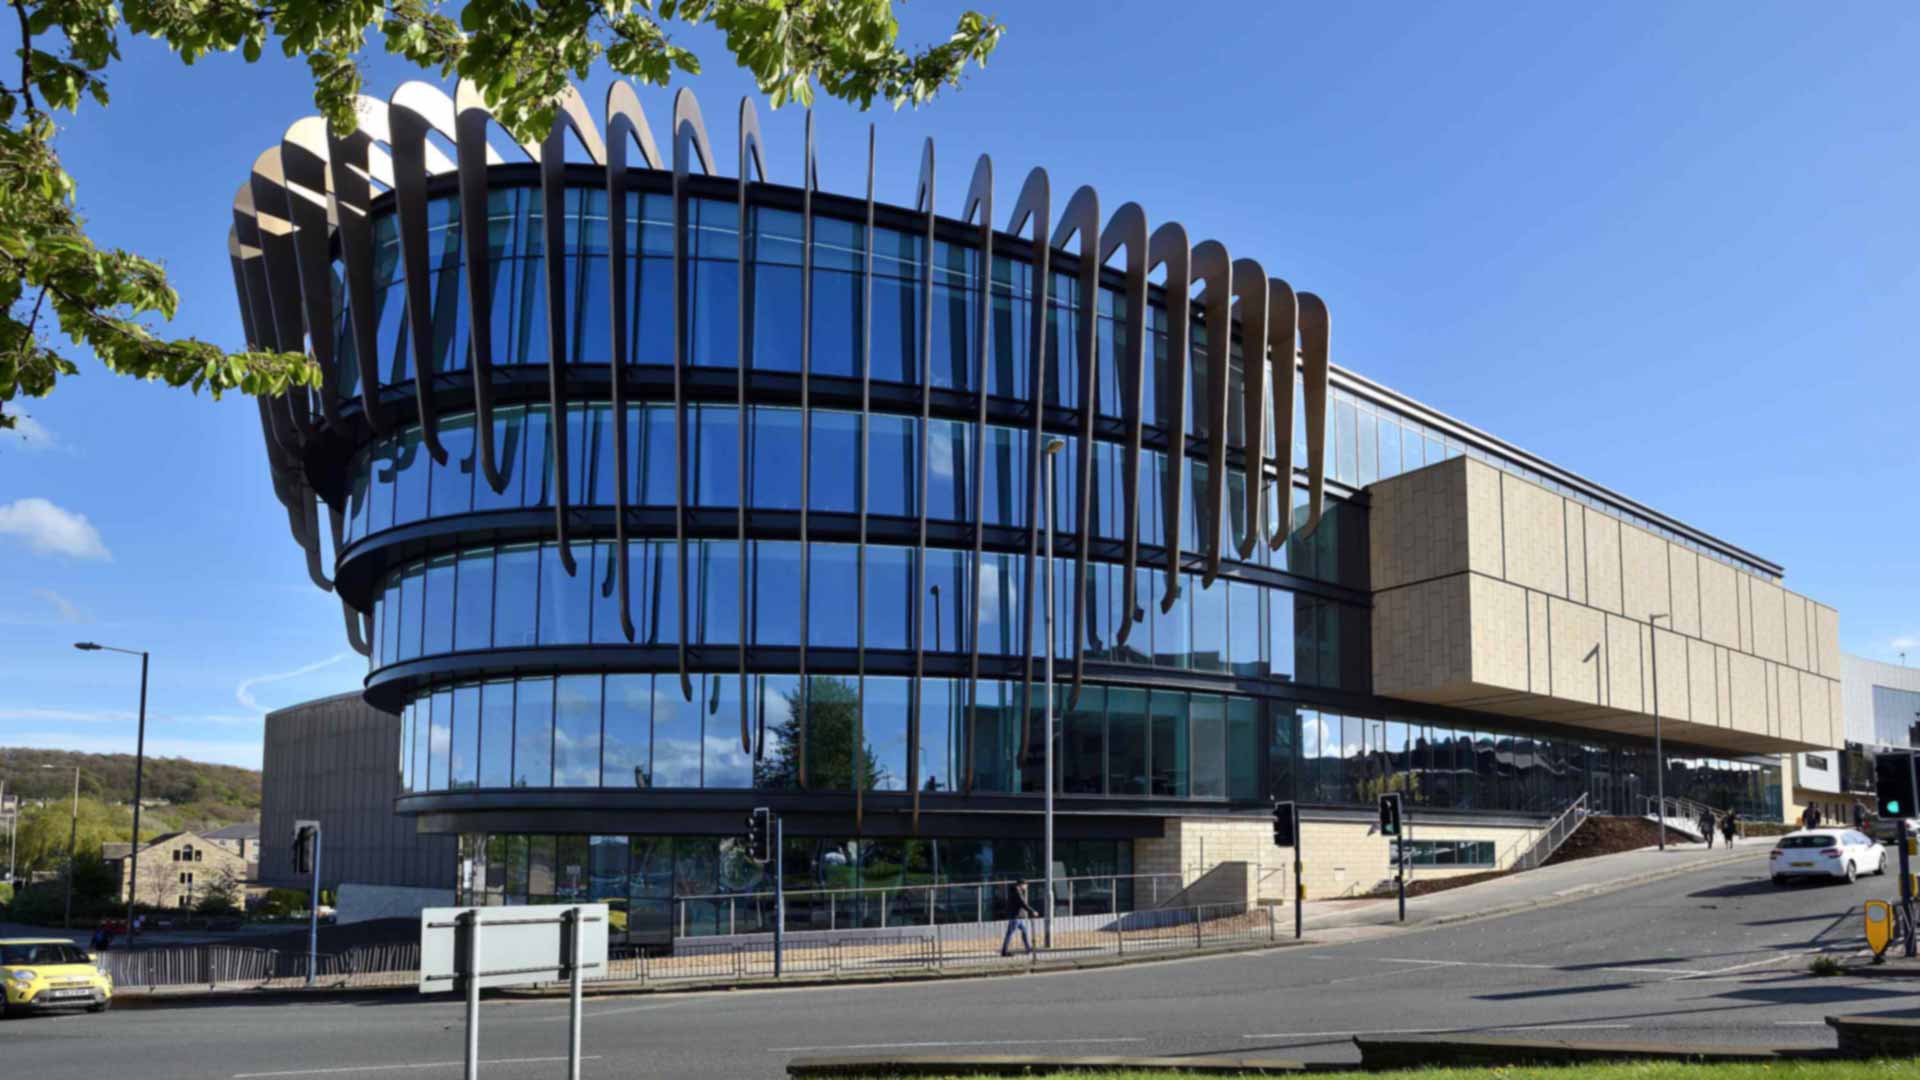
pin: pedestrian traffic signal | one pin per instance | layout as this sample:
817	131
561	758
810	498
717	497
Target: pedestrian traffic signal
305	833
1285	827
1893	783
1390	814
760	834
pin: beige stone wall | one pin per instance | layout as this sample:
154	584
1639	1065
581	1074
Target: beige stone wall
1191	846
1496	594
209	862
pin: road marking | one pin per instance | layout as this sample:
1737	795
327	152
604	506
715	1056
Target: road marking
598	1013
1783	957
397	1068
936	1045
1799	1023
1432	1031
1549	967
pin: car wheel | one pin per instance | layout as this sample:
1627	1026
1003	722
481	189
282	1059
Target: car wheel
1853	874
101	1007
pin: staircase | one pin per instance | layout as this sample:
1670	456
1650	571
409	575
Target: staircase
1537	850
1679	814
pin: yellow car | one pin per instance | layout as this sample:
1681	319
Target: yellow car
50	973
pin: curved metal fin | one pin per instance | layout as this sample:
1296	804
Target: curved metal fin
303	162
1168	247
1127	228
1313	355
470	119
922	202
1214	268
1032	208
1250	291
689	139
1282	321
356	635
626	122
1082	216
979	204
415	109
348	163
750	155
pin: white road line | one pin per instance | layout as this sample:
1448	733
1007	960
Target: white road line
938	1045
1741	967
397	1068
1431	1031
1571	969
1799	1023
598	1013
1560	1027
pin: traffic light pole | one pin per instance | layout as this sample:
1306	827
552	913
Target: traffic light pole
779	891
1906	882
1299	883
313	912
1400	862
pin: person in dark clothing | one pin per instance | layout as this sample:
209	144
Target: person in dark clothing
1810	819
1018	911
1730	826
1859	818
1706	827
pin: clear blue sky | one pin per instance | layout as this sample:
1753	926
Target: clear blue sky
1670	247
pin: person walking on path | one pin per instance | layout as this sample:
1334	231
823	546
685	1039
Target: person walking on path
1018	911
1810	818
1859	818
1730	826
1706	827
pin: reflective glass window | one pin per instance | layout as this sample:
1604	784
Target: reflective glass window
576	731
833	708
437	612
835	576
565	599
774	710
893	454
890	597
776	593
1004	477
944	614
716	574
533	734
406	747
774	454
884	724
656	449
1209	746
510	453
955	315
834	473
1170	743
410	482
716	455
726	765
516	590
625	760
941	705
473	604
895	355
1083	744
1126	741
603	566
658	621
676	733
1243	749
1245	629
465	738
1000	623
1170	629
496	735
949	457
451	484
412	597
1209	624
593	457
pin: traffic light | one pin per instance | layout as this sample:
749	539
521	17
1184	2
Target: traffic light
304	834
1390	814
1283	825
1893	783
760	834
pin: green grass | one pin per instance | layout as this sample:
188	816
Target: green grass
1793	1070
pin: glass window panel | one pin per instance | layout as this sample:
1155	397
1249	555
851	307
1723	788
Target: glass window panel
890	590
949	457
1243	749
437	621
676	734
1209	624
776	315
1369	448
656	449
496	735
834	474
836	320
1169	755
896	329
451	485
834	574
440	740
537	487
774	453
473	607
1209	734
565	599
410	479
1126	741
509	453
832	712
726	764
627	734
893	454
1000	627
775	709
1004	475
1083	744
465	739
604	571
516	590
884	723
716	572
593	457
716	455
576	731
1389	447
991	731
1244	637
944	616
407	626
1170	630
533	734
658	621
941	704
776	593
715	306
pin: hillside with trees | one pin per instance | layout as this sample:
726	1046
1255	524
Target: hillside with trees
178	794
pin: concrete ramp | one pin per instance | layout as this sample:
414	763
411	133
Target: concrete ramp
1227	883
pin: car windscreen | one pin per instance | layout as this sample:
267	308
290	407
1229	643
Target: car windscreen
1808	841
41	954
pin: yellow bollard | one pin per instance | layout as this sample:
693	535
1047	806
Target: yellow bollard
1879	927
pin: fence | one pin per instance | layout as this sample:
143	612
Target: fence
939	947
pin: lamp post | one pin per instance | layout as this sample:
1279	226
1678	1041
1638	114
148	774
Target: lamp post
935	589
1659	758
1054	446
139	774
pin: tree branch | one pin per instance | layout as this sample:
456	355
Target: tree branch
26	57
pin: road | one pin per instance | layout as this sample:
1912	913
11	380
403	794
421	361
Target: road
1714	957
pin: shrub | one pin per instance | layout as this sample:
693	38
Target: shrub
43	905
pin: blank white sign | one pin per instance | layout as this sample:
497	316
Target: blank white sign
518	945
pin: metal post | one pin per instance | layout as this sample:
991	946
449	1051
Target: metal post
1906	872
779	892
313	915
472	919
1047	854
139	769
73	844
1659	758
1299	883
1400	846
574	995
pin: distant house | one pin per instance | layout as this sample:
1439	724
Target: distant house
243	840
179	869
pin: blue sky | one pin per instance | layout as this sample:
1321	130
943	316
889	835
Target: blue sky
1670	247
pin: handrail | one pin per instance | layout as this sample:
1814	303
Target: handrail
1677	808
1538	849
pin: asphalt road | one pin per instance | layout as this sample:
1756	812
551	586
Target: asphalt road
1716	957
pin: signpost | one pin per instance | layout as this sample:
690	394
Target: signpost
1391	827
471	948
306	860
1286	833
1897	789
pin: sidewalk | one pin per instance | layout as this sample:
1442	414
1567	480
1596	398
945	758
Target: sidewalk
1533	888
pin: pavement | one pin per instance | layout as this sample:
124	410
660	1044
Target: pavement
1715	955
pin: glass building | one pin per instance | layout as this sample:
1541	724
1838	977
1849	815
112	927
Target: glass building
654	496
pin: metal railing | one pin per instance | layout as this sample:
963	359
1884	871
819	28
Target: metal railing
1538	849
895	906
1676	808
939	947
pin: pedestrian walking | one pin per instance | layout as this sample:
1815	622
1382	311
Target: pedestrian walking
1018	911
1810	818
1730	826
1859	818
1706	826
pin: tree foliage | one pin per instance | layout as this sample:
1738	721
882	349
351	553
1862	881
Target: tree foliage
520	53
829	712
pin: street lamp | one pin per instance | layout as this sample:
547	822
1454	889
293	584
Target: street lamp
73	842
1054	446
139	773
935	589
1659	758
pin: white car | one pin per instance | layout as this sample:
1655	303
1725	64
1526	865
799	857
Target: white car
1825	853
